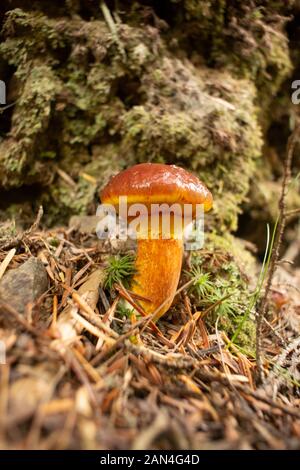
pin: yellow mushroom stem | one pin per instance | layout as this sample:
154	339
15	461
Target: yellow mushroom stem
158	268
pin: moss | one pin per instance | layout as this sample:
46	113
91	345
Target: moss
267	195
7	231
232	273
247	38
156	107
76	94
30	119
243	258
63	199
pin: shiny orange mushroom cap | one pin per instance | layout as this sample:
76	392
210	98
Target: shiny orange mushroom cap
156	183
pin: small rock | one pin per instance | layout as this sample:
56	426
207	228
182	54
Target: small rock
24	285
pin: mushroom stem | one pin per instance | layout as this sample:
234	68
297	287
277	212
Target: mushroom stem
158	266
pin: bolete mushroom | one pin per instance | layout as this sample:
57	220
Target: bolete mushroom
159	254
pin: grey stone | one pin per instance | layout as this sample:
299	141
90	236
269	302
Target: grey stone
24	285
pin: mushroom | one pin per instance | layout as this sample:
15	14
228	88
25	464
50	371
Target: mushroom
159	253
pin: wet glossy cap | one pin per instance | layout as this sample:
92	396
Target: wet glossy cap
155	183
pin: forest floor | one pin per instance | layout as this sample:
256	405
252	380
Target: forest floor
79	375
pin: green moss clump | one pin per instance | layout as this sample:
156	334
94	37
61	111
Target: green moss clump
30	120
226	286
247	38
77	94
77	98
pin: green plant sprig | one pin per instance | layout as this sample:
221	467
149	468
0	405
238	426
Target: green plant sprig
119	269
